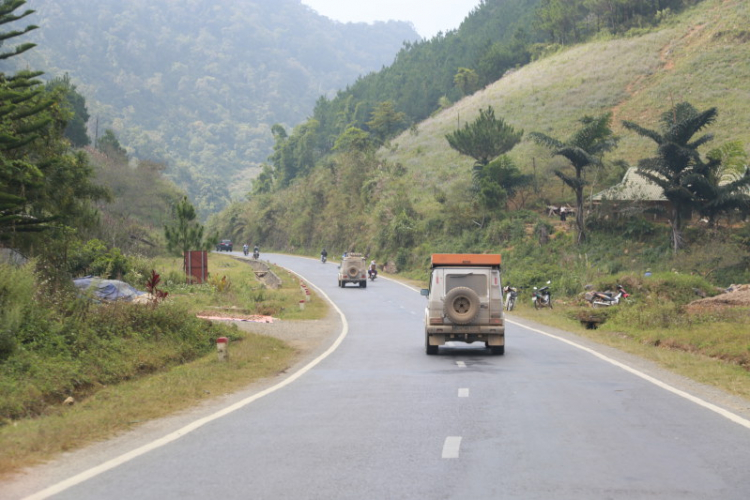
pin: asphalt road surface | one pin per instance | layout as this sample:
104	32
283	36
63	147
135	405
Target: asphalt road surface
379	419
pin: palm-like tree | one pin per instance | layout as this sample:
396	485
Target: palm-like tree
677	167
584	149
725	184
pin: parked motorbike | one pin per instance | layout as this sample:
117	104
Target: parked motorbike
607	299
542	297
511	294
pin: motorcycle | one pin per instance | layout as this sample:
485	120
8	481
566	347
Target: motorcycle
372	274
542	297
323	258
511	294
256	254
245	250
607	299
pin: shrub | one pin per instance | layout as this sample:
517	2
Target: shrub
17	304
107	344
94	258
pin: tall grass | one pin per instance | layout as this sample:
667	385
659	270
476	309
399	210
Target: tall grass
58	344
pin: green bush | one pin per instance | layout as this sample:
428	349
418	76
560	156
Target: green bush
94	258
53	346
17	304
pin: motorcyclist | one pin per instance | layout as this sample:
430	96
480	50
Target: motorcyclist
323	254
256	252
245	248
373	270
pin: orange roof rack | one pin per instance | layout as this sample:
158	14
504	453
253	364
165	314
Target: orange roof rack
465	259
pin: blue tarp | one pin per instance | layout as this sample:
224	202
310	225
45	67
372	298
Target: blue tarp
107	289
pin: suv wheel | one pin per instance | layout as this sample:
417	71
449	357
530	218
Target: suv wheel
461	305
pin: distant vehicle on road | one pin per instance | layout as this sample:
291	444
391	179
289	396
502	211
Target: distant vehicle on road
353	269
224	246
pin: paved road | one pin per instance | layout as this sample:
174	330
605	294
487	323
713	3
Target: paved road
378	419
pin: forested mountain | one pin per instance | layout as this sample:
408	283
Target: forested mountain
408	194
198	84
497	37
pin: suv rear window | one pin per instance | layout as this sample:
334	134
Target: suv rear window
477	282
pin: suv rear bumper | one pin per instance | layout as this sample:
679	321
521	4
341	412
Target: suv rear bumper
493	335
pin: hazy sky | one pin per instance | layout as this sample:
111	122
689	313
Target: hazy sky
428	16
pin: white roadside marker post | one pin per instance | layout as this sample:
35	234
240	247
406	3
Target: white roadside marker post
222	344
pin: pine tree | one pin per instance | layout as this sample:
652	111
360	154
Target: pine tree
186	233
22	119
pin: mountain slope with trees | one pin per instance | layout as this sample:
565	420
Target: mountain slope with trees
416	195
198	84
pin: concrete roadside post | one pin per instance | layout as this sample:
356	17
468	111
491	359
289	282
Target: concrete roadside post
222	345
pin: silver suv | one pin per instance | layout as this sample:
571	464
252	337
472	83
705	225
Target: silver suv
353	270
465	302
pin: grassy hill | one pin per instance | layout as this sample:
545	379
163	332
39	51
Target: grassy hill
414	197
702	56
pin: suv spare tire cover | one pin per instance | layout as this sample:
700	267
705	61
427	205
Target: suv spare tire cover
353	271
461	305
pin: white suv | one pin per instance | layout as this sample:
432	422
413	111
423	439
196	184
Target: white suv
465	302
353	270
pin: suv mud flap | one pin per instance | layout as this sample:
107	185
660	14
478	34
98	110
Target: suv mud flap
436	339
496	340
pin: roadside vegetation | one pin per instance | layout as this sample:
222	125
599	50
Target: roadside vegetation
709	344
119	364
75	368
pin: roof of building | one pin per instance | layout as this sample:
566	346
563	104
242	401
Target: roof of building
633	187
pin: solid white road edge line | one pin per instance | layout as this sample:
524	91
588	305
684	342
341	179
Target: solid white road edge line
115	462
705	404
451	447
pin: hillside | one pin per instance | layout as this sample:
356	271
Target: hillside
702	57
415	195
199	84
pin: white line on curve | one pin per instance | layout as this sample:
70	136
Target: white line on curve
705	404
117	461
451	447
700	402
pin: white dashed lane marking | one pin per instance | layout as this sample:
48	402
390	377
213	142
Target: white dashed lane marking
451	447
463	393
461	364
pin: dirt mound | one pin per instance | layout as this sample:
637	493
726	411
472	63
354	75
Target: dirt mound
736	296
